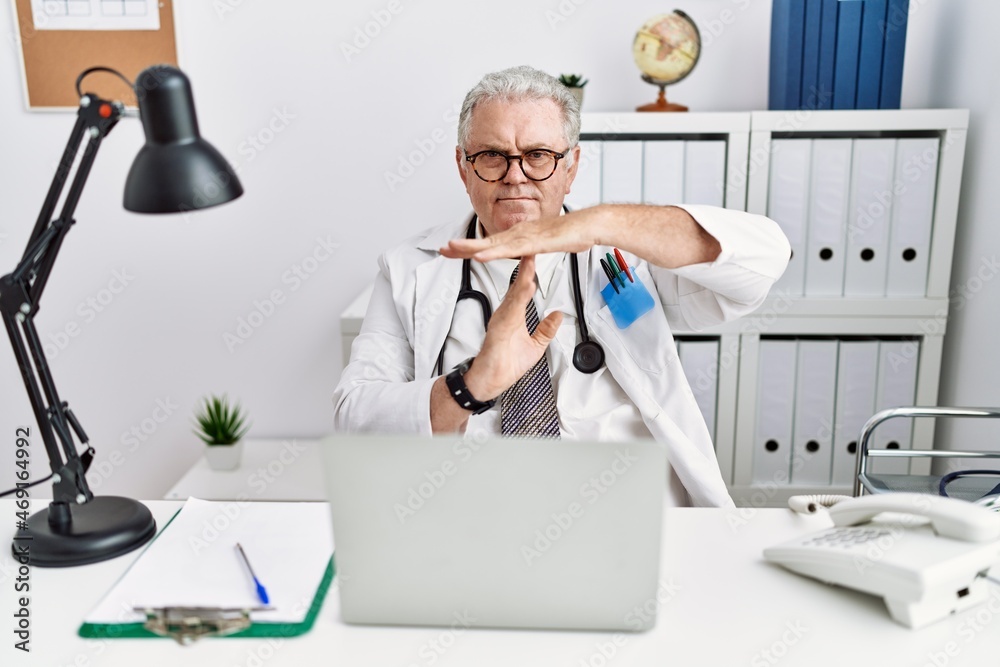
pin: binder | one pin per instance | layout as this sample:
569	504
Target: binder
870	54
857	375
868	223
699	359
704	172
192	565
586	188
775	410
787	24
897	383
827	53
845	75
621	173
829	194
663	172
897	14
912	217
788	205
815	391
809	95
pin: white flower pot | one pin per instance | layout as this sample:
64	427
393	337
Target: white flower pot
224	457
577	93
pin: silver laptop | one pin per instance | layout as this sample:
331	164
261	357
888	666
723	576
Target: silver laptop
496	532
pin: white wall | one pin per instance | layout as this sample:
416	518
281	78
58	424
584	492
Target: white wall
336	124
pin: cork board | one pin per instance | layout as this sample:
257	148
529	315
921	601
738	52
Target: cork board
54	58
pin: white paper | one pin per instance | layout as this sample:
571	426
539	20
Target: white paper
193	562
96	14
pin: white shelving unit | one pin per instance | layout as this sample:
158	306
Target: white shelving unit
749	141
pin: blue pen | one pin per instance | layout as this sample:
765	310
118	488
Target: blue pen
261	591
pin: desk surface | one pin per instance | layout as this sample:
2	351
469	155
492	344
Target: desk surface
723	605
290	469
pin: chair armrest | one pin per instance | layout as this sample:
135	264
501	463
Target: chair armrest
912	412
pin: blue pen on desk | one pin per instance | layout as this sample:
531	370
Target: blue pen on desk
261	591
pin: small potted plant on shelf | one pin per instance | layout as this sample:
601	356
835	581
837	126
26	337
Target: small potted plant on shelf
221	426
575	83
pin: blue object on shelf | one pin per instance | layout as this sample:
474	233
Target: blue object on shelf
809	95
787	26
845	76
870	55
827	53
630	302
892	60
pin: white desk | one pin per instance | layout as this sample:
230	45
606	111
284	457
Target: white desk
729	608
289	469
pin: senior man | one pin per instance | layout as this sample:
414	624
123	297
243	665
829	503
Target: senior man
431	358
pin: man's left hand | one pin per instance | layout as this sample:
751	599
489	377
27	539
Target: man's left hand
572	232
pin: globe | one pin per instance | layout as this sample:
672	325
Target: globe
666	49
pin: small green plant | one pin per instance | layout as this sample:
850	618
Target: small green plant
220	423
573	80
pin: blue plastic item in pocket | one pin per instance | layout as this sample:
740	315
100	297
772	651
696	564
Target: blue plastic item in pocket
630	302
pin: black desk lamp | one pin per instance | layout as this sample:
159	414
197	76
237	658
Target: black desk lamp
175	171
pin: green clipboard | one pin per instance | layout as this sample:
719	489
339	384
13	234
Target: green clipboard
208	627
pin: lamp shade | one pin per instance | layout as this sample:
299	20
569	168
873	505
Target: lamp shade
176	170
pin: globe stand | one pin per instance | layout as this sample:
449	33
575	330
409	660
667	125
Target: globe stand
661	103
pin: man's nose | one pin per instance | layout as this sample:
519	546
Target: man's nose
515	174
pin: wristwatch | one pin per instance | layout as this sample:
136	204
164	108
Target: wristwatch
456	387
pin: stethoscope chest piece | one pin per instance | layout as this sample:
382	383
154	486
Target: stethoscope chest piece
588	357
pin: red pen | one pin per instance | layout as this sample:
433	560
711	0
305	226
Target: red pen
623	265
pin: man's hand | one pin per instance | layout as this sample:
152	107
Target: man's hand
665	236
572	232
508	351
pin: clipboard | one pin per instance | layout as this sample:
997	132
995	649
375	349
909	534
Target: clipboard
178	602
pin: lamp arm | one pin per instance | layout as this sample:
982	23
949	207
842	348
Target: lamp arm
20	292
58	181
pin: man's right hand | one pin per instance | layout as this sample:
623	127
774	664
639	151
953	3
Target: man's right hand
508	350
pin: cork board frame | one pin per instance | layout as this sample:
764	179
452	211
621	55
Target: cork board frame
52	59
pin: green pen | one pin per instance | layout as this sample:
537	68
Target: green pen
614	267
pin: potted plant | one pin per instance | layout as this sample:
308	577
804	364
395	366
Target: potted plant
221	426
575	83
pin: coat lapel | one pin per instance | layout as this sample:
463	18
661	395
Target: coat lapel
436	284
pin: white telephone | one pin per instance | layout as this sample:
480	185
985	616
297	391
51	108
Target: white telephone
926	558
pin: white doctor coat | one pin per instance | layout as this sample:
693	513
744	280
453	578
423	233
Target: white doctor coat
386	386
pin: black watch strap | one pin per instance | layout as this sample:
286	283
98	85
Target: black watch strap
456	387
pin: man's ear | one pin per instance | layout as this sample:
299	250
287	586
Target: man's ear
573	168
460	163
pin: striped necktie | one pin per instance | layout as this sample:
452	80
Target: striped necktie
528	407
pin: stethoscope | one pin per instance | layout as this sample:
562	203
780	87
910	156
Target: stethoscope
588	355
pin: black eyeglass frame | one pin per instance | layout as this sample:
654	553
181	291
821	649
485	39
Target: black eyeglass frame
520	161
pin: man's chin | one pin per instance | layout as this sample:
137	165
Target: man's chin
507	216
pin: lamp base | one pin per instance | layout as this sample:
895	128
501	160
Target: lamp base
104	528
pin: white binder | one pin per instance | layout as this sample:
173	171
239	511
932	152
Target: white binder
857	376
775	405
586	188
868	224
621	175
815	390
897	384
829	193
912	217
699	359
705	172
788	205
663	172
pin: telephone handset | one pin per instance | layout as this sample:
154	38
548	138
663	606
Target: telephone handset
926	558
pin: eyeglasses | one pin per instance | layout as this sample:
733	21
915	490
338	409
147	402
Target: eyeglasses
492	166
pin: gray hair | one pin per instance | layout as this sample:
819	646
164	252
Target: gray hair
518	84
